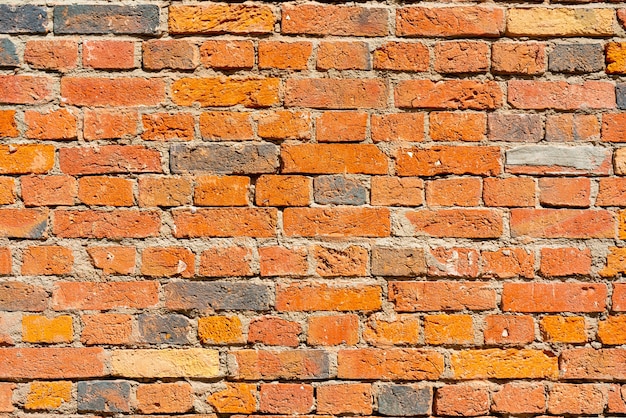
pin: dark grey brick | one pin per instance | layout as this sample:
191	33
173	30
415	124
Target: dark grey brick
8	54
103	396
515	127
224	159
339	190
23	19
576	58
103	19
217	296
404	400
163	329
620	92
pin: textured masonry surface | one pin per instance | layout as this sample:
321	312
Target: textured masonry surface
295	208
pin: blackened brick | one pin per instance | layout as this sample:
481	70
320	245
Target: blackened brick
515	127
216	296
224	159
620	93
576	58
8	54
163	329
106	19
404	400
103	396
339	190
23	19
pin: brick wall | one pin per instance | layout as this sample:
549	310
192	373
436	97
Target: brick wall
309	208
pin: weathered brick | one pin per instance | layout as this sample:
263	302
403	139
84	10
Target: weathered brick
519	398
507	263
235	398
110	159
103	396
24	18
285	125
441	296
224	159
560	22
225	222
6	397
286	398
8	125
558	160
562	223
334	20
513	127
398	127
337	222
593	364
164	191
481	161
220	330
59	125
280	261
619	297
402	329
509	330
91	91
165	398
615	58
7	190
401	56
453	262
327	93
341	127
613	127
104	296
393	261
578	399
226	262
339	190
24	89
113	260
448	330
51	363
518	58
576	58
465	400
561	95
404	400
47	260
23	223
220	18
615	262
615	399
457	223
39	329
283	190
455	57
105	19
166	127
560	262
392	363
109	329
279	365
568	127
6	263
221	191
565	192
227	54
53	55
155	363
48	395
448	94
105	191
462	191
340	262
109	55
26	158
211	92
504	364
396	191
108	124
333	330
455	21
274	331
343	56
284	55
333	158
619	161
620	92
17	296
307	296
8	54
454	126
554	297
226	126
100	224
216	296
335	399
175	54
167	261
611	330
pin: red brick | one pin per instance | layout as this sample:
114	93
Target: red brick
109	55
481	161
565	192
619	297
16	296
164	191
7	190
615	401
441	296
334	20
284	55
59	124
26	158
507	263
456	223
340	262
593	364
221	191
327	93
343	56
6	397
528	58
274	331
509	192
465	191
280	261
396	191
344	398
455	57
463	21
91	91
341	127
572	127
577	399
105	191
519	398
165	398
562	223
392	363
560	262
100	224
554	297
47	260
337	222
109	124
560	95
286	398
613	127
453	126
57	55
23	223
167	261
113	260
226	126
166	127
220	18
8	125
107	329
285	125
284	364
398	127
227	55
226	222
465	400
333	330
110	159
23	89
207	92
509	330
303	296
226	262
104	296
176	54
448	94
51	363
453	262
401	56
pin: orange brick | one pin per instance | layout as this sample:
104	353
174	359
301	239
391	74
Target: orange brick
461	57
220	18
108	329
401	56
554	297
496	363
441	296
327	19
109	54
448	94
47	260
274	331
456	223
615	401
285	125
340	262
168	261
403	329
220	330
59	124
527	58
509	330
105	191
227	126
337	222
453	262
52	363
177	54
464	191
18	89
235	398
286	398
561	95
571	127
109	124
110	159
104	296
49	190
448	329
5	262
164	191
509	192
343	56
122	92
465	400
463	21
280	364
39	329
113	260
116	224
327	93
562	223
221	191
519	398
481	161
280	261
166	127
507	263
165	398
6	397
303	296
58	55
274	190
225	262
564	192
284	55
8	125
341	127
391	363
344	398
559	262
333	330
619	297
398	127
225	222
452	126
225	92
615	262
577	399
23	223
48	395
611	331
7	190
334	158
227	55
397	191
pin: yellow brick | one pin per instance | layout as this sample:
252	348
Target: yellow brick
560	329
616	57
540	21
504	364
612	331
48	395
39	329
220	330
192	362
